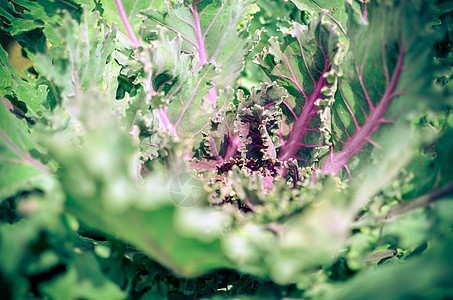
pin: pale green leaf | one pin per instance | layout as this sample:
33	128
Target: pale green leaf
19	170
188	111
100	177
131	7
334	9
211	28
85	56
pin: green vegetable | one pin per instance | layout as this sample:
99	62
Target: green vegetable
227	148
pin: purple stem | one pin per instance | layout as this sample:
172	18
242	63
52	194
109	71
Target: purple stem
309	109
161	113
165	121
200	40
300	128
364	12
127	24
363	134
212	95
330	16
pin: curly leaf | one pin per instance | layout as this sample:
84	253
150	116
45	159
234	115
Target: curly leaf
306	65
85	55
100	178
248	130
220	141
175	86
211	27
22	16
258	120
18	90
334	9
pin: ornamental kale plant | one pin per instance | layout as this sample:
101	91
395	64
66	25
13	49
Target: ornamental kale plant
226	148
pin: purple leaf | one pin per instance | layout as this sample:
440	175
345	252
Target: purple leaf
305	64
385	77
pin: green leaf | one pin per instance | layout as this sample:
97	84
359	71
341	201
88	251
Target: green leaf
297	246
174	84
188	111
266	21
428	277
220	141
388	74
83	279
334	9
209	27
444	148
21	16
84	56
305	63
19	170
131	7
19	90
27	20
38	217
100	178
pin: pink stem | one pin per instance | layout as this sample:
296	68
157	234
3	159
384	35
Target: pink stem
127	24
165	121
212	95
364	12
330	16
200	40
161	113
363	134
300	128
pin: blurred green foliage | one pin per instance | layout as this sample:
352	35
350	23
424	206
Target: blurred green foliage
86	172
